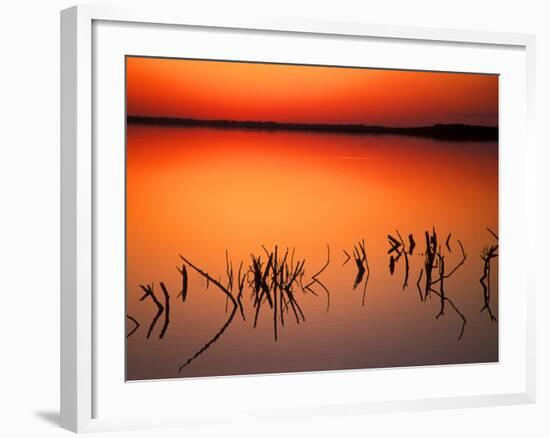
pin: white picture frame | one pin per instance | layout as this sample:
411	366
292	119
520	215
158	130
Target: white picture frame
82	333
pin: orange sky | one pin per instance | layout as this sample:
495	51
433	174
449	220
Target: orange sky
290	93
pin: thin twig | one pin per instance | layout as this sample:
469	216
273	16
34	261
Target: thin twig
456	310
347	259
314	279
136	325
495	235
406	278
160	309
418	284
184	282
166	310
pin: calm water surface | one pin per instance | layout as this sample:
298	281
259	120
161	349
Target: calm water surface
201	191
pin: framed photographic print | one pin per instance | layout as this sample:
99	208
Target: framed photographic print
291	217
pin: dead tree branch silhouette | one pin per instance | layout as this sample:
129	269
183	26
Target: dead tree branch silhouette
359	263
348	257
406	256
362	263
261	291
399	248
135	327
227	322
412	244
457	266
184	282
241	278
443	275
487	255
166	310
284	277
418	284
434	259
229	273
444	298
274	283
447	242
495	235
429	259
148	289
315	280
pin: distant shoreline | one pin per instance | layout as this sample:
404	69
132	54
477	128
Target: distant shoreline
452	132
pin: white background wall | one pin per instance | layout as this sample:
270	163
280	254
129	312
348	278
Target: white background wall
29	215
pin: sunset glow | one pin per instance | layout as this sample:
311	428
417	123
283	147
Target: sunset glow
307	94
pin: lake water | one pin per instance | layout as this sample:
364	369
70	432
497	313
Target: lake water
201	191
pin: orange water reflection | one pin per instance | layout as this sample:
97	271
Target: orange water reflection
200	191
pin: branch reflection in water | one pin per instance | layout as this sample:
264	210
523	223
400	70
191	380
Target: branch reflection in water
274	278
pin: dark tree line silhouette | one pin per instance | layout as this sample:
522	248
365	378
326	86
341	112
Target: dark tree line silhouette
451	132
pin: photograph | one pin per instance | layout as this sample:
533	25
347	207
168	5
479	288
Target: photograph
275	220
290	218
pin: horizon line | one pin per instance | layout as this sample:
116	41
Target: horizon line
452	131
